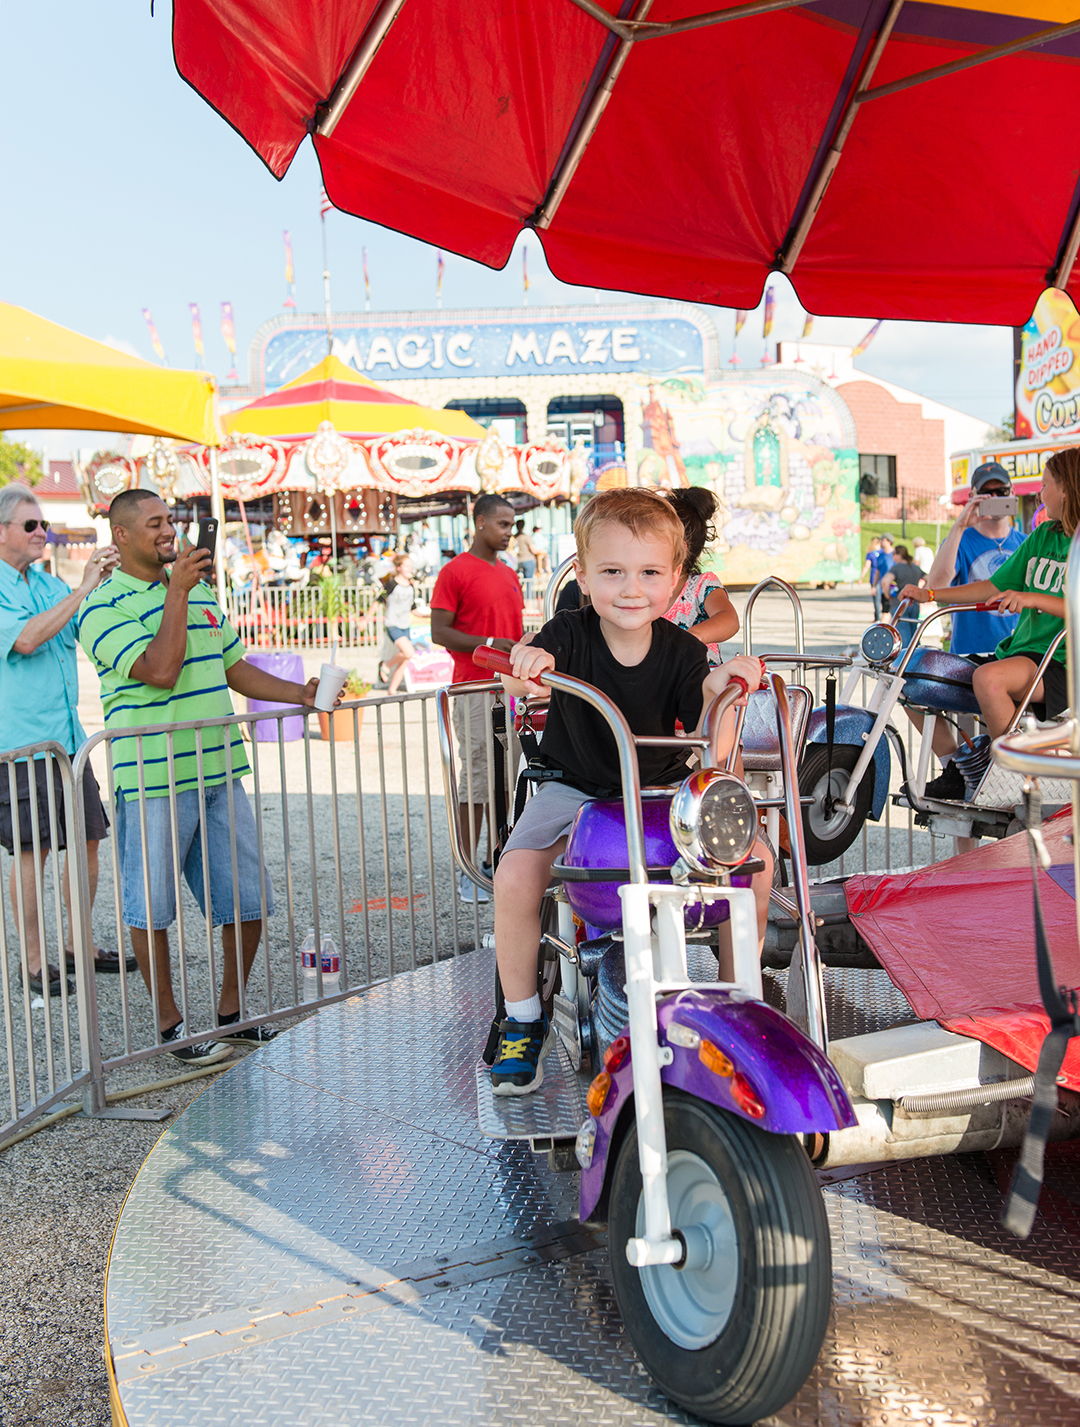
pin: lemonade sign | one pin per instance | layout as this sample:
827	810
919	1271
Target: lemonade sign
1048	387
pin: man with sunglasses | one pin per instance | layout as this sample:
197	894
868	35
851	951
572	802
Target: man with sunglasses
974	548
39	690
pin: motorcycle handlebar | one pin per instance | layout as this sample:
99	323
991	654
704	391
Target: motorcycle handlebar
498	661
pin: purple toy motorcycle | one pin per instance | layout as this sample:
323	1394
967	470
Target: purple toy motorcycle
694	1147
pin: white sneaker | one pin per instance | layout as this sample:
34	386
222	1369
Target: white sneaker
468	890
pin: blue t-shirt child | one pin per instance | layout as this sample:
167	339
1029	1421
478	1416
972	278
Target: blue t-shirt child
977	558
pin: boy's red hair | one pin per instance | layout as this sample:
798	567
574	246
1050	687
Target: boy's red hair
639	511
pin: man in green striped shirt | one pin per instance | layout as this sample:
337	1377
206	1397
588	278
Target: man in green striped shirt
166	654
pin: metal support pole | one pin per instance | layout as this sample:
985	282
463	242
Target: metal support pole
217	510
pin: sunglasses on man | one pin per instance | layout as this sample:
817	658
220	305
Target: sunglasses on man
30	525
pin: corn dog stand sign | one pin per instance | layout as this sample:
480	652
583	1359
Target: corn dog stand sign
1048	382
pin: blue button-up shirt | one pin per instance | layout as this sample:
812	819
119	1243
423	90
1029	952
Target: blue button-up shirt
39	692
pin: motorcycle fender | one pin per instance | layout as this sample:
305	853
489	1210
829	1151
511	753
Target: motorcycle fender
851	724
794	1083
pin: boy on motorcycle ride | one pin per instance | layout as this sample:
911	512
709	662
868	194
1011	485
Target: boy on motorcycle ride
1029	584
630	553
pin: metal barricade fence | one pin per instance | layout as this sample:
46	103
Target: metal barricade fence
353	834
312	617
46	1037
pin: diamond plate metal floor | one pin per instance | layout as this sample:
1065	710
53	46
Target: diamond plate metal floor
325	1237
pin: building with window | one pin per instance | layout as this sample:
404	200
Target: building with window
905	440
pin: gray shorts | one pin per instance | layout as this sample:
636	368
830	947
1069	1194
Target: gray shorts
548	815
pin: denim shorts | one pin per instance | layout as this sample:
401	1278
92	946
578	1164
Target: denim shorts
251	873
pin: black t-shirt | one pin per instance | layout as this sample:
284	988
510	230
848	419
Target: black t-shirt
665	686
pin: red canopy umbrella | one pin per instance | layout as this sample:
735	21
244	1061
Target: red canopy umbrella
898	160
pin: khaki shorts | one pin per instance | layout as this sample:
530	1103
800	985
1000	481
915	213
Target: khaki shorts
473	784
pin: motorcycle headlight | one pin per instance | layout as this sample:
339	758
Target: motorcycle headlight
714	820
880	644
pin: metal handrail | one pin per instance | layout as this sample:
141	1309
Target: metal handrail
773	582
555	584
810	957
625	740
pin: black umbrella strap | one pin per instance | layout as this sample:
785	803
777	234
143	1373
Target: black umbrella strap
1061	1006
830	726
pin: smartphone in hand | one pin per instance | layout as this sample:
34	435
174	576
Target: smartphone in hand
998	505
208	537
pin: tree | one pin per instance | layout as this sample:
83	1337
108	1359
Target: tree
998	435
18	463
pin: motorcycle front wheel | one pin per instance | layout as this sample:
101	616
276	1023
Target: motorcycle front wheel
828	830
733	1335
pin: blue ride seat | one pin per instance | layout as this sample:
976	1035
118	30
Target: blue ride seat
938	681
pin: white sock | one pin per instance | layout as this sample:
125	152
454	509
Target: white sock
524	1011
945	760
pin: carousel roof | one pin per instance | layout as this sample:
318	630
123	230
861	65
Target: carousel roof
351	402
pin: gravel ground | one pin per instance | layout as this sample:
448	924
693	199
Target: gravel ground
63	1187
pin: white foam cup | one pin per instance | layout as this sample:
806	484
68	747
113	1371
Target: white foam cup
331	682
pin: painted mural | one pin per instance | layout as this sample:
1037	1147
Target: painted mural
778	450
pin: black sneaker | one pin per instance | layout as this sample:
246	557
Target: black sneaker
208	1053
250	1035
948	786
522	1046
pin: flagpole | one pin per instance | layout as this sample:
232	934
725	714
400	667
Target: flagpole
326	286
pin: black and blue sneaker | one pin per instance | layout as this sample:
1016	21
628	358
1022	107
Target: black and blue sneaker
522	1046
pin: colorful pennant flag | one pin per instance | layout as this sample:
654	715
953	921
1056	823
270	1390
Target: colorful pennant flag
807	327
770	308
155	340
862	346
325	205
290	300
740	320
228	331
367	284
440	267
196	329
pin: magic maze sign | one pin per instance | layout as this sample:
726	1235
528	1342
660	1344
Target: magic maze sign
482	349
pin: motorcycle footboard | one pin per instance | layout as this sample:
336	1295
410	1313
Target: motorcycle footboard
553	1112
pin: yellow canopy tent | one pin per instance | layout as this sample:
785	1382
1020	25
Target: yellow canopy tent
354	404
53	378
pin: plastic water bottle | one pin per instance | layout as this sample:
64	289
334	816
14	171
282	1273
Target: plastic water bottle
331	967
307	966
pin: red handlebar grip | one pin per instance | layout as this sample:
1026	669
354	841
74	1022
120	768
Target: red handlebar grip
497	660
988	609
735	679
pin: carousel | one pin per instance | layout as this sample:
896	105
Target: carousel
341	457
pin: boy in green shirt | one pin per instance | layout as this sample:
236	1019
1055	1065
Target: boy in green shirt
1029	584
166	654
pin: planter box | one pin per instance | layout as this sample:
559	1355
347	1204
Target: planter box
338	726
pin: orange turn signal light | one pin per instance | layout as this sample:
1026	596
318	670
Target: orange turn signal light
598	1094
746	1097
714	1059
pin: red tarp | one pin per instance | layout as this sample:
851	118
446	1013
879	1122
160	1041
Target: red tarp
951	202
958	938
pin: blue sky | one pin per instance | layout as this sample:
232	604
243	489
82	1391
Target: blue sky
122	190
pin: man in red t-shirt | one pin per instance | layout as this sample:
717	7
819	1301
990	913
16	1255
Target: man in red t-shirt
477	600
